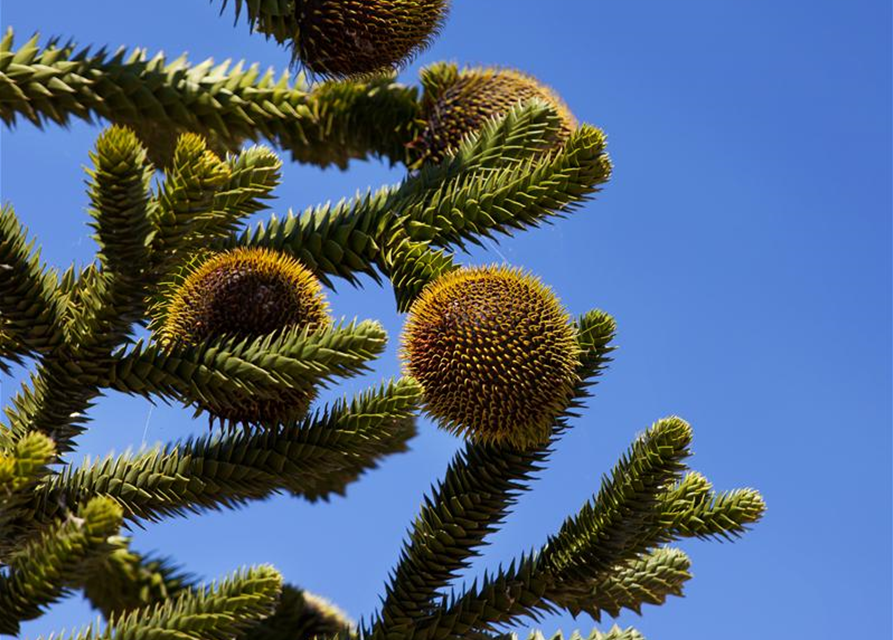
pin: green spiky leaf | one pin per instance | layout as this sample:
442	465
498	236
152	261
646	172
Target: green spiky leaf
30	309
43	570
125	580
226	103
220	611
314	458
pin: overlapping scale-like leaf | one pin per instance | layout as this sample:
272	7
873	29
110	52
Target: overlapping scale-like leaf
216	369
45	568
647	579
30	308
331	240
517	196
226	103
124	580
314	458
119	196
219	611
22	468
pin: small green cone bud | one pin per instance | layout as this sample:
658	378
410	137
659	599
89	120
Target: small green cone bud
496	355
459	103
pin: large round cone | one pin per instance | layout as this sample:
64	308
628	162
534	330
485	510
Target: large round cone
246	293
495	353
460	103
342	38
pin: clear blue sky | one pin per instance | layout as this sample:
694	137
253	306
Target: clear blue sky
744	247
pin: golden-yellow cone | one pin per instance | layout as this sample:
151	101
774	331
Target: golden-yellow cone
496	355
463	102
246	293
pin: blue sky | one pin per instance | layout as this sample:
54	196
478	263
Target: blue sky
743	246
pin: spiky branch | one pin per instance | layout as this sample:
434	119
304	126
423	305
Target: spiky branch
315	458
42	570
216	612
225	103
479	488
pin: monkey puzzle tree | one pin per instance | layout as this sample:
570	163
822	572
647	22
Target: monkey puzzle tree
239	330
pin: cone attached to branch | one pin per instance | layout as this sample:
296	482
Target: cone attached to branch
245	293
458	103
349	37
344	38
495	353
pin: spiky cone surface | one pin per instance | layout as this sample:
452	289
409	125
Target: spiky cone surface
458	103
245	293
347	38
495	353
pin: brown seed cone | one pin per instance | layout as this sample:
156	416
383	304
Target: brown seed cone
459	103
343	38
246	293
496	355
